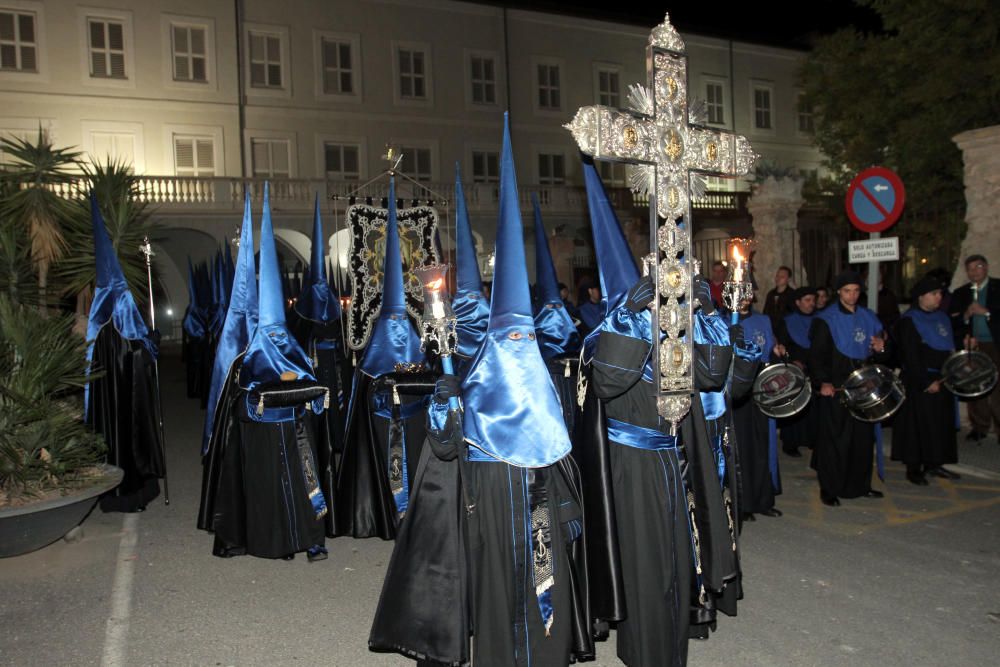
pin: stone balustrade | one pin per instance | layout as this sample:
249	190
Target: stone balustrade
196	194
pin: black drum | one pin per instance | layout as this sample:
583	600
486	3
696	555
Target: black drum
969	374
781	390
873	393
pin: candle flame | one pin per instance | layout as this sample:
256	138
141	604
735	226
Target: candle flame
435	285
737	256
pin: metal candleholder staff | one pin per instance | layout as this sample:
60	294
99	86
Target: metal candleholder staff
147	249
738	288
437	324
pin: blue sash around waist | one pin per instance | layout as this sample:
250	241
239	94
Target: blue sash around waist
639	437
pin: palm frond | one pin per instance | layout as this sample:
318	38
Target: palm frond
126	218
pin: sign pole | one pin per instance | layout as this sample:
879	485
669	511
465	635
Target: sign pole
873	279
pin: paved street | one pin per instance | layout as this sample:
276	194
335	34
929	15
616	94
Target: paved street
908	580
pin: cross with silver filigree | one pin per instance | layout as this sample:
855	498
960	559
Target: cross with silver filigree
670	149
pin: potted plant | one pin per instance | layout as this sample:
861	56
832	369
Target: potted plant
51	469
52	466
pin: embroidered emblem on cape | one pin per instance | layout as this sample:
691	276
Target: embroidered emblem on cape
942	331
760	339
859	335
418	247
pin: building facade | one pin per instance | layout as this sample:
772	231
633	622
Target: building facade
204	98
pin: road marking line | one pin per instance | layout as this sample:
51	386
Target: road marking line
116	632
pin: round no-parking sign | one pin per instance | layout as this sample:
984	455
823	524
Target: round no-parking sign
875	199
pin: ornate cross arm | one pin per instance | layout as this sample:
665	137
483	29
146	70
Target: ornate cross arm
665	138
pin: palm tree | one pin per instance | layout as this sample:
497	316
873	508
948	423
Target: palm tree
126	217
31	180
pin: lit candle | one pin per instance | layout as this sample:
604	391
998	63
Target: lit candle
738	265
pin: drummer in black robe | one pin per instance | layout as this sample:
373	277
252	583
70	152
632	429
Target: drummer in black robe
792	333
385	429
843	338
513	572
923	435
123	404
756	433
558	338
265	497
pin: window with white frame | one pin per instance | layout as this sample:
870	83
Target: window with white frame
412	64
194	155
549	95
551	169
417	162
16	133
715	105
339	66
762	109
483	72
342	161
805	115
265	60
106	44
189	48
608	88
18	41
115	147
485	166
271	158
612	173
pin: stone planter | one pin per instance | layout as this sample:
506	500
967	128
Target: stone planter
33	526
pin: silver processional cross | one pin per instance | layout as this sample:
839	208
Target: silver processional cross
666	141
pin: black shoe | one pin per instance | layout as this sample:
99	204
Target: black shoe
773	512
872	493
795	453
917	478
830	501
943	473
316	553
975	436
748	517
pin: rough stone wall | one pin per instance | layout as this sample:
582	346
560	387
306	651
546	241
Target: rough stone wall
774	206
981	155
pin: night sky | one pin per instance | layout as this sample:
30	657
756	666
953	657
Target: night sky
782	23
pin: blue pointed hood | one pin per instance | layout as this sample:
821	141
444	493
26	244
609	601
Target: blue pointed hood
614	257
394	339
557	335
272	350
472	311
113	301
512	412
317	302
241	320
194	324
218	312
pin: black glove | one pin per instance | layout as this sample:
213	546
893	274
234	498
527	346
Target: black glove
703	294
447	386
736	334
640	296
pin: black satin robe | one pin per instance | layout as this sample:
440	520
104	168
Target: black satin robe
844	447
452	571
124	408
364	504
923	433
798	430
254	497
